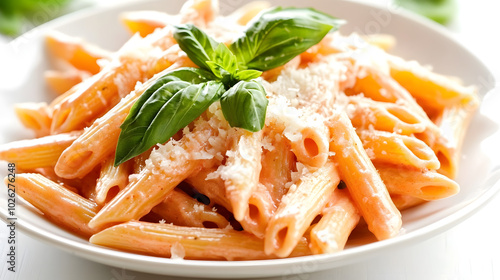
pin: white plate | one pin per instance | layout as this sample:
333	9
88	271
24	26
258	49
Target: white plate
21	80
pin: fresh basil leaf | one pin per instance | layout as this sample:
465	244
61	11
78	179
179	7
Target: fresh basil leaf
132	140
187	74
198	46
244	105
280	34
225	58
247	75
170	108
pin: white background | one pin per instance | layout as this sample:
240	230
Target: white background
470	250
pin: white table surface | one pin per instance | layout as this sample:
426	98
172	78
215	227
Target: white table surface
470	250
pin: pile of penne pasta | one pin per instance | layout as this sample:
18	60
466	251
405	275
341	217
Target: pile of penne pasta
353	135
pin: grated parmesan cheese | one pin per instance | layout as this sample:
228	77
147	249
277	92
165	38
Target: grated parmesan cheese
177	251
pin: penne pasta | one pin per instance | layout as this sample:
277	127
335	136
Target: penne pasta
338	220
112	179
39	152
171	241
404	202
432	91
35	116
76	52
135	62
365	113
278	162
280	147
241	170
211	186
311	148
146	22
391	148
364	183
62	81
298	209
423	184
453	123
58	204
248	11
260	203
182	210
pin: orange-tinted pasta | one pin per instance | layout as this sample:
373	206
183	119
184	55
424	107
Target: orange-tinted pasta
351	133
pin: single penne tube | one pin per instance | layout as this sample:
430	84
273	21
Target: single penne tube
433	91
112	179
75	51
62	81
83	186
423	184
365	113
339	218
58	204
302	203
210	186
146	22
167	166
248	11
38	152
362	179
392	148
260	204
453	123
261	208
199	12
182	210
166	240
311	148
304	129
35	116
241	170
404	202
99	140
278	163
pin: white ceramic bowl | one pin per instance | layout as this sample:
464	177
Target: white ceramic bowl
21	80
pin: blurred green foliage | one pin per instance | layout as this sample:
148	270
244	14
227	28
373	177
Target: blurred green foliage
16	14
441	11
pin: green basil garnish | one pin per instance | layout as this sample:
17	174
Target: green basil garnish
198	46
279	35
228	74
244	105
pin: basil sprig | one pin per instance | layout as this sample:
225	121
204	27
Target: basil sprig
228	74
